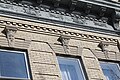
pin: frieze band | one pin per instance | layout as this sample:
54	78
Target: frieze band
57	31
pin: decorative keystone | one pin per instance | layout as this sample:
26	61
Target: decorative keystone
10	31
64	41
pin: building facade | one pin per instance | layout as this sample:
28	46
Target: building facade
59	40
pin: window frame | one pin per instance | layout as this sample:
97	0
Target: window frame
26	64
118	65
80	67
109	62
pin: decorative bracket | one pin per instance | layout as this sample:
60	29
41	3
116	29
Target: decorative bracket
10	31
64	41
102	11
103	47
73	4
88	8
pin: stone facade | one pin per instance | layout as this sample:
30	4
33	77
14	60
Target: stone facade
44	41
41	42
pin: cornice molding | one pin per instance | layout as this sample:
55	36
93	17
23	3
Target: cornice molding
29	9
105	3
100	19
37	13
44	29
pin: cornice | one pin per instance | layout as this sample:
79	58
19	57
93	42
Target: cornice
14	7
38	13
103	6
59	32
110	4
105	3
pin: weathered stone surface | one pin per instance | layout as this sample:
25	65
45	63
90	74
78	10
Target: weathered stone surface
41	42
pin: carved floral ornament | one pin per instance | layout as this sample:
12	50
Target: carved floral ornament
10	31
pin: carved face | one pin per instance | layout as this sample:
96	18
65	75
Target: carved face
10	35
65	41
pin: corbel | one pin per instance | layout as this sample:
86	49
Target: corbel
64	40
10	31
117	21
117	14
73	4
103	46
56	3
88	8
102	11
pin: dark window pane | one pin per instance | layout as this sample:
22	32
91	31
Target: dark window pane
13	64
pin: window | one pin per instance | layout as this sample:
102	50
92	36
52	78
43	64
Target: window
13	65
110	70
70	69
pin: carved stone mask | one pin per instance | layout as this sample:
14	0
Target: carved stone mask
10	31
